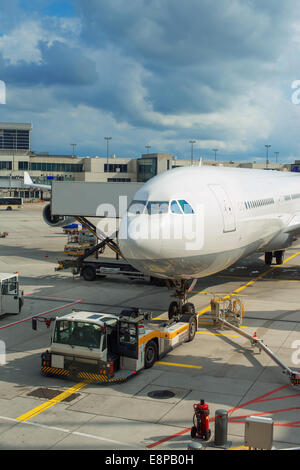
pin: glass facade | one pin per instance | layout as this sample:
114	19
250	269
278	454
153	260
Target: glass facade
59	167
115	167
14	139
23	165
5	165
118	180
147	168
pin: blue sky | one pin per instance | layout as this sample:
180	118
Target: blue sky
154	72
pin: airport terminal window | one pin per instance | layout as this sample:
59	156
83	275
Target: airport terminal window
186	208
23	165
62	167
115	167
5	165
175	209
137	207
157	207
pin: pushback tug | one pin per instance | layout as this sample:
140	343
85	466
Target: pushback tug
105	348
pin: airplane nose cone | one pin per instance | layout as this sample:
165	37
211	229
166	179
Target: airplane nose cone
136	242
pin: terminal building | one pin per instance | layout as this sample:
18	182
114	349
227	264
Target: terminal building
16	157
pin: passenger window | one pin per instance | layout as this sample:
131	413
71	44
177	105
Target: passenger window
175	209
186	208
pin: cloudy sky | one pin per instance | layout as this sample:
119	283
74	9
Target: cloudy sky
225	73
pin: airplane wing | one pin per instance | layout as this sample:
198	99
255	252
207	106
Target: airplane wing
28	182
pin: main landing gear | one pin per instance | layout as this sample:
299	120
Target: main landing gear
278	255
181	306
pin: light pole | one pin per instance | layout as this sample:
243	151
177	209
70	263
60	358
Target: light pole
192	142
107	140
267	156
147	147
276	155
215	150
73	146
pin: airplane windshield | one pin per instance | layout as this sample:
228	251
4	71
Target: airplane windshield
137	207
186	208
157	207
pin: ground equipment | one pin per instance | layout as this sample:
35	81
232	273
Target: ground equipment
228	312
11	296
105	348
79	243
200	426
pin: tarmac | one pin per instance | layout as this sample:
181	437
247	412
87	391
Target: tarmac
219	366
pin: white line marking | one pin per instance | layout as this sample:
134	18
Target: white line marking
67	431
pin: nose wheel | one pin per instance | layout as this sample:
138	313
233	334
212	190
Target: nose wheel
181	306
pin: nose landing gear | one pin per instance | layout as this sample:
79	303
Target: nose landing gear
181	306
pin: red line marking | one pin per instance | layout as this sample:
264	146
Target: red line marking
165	439
40	314
261	398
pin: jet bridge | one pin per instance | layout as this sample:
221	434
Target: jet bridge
80	199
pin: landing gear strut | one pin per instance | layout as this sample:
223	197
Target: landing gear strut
278	255
181	306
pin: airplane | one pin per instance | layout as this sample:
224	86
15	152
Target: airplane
52	220
192	222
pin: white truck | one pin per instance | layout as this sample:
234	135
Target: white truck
105	348
11	296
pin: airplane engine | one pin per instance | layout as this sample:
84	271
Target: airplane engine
55	220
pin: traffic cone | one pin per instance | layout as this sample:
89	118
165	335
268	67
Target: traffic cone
255	335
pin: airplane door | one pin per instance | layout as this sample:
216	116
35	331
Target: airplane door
225	204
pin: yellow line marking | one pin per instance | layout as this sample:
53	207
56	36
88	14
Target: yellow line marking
238	448
204	310
216	334
178	365
265	273
39	409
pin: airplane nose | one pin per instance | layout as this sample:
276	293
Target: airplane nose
137	242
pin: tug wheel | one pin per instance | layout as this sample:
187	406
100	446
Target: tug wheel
192	328
150	354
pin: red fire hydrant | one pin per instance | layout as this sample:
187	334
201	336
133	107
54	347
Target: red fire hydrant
201	421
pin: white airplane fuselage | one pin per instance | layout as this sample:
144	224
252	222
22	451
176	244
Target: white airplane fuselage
196	221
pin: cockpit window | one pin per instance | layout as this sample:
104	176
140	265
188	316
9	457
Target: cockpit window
157	207
137	207
186	208
175	209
